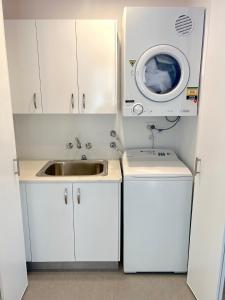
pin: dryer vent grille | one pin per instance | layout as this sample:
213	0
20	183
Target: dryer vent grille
184	25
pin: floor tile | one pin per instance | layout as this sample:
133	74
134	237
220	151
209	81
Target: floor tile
106	286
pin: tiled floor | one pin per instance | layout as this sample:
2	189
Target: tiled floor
106	286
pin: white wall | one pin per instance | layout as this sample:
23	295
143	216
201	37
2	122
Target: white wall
45	136
101	9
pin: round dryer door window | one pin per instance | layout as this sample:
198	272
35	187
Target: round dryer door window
162	73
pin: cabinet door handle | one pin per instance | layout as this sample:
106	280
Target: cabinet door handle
66	196
83	101
78	195
16	166
35	100
72	101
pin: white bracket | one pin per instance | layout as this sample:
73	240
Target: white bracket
197	165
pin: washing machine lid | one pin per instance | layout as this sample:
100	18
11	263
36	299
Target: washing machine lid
162	73
157	163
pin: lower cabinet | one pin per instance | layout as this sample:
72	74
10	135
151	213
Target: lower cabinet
50	212
26	230
96	221
65	222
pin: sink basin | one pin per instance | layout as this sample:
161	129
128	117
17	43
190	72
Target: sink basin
74	168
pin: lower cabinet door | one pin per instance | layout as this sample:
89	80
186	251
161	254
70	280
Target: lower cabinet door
50	210
26	232
96	221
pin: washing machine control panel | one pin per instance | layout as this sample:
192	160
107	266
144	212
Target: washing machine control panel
138	109
151	154
158	153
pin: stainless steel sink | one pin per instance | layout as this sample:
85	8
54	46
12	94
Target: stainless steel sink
74	168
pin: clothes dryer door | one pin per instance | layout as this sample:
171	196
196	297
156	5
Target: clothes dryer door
162	73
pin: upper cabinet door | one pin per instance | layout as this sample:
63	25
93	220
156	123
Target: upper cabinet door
23	66
58	65
97	66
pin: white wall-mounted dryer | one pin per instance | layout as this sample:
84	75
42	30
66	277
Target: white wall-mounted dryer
162	50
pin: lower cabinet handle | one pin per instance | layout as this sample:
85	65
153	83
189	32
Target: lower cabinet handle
78	195
66	196
35	100
72	101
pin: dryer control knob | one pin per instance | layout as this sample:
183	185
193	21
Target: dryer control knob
138	109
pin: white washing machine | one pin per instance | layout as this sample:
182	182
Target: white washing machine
162	50
157	210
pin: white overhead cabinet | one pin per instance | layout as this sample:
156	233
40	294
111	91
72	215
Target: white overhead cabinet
22	55
63	66
97	65
58	65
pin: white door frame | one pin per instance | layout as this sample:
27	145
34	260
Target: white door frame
13	271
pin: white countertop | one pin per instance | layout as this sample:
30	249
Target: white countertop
29	169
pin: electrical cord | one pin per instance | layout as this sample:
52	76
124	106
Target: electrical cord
171	121
152	138
170	127
153	127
